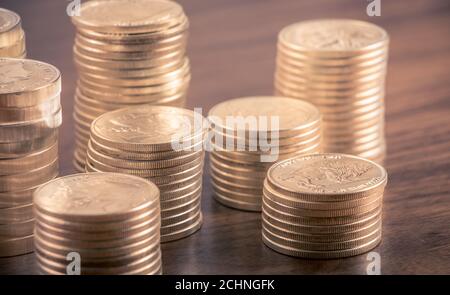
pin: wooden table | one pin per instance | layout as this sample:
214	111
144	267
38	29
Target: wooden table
232	49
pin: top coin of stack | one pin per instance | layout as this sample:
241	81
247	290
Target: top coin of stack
30	115
160	143
127	52
111	220
323	206
12	37
242	152
339	66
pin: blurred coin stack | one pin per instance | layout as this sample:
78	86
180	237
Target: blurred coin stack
127	52
12	37
242	153
323	206
162	144
339	66
30	115
108	222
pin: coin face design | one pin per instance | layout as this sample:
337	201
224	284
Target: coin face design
327	174
18	76
338	34
147	125
95	194
8	20
129	13
291	113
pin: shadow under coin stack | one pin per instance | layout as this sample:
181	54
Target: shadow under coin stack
323	206
110	220
12	37
30	116
339	66
241	155
127	52
162	144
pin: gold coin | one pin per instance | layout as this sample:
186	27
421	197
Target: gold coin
15	49
43	82
100	202
16	229
30	130
287	250
170	212
16	246
249	181
31	178
293	115
16	214
171	202
181	217
190	229
10	27
33	113
30	162
142	156
149	128
10	150
320	238
168	164
129	16
334	37
322	176
236	186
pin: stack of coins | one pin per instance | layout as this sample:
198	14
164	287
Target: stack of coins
98	224
323	206
162	144
127	52
339	66
251	133
12	37
30	115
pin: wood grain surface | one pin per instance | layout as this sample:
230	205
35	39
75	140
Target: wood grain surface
232	48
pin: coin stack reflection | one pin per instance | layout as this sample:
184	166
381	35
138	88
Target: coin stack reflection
110	221
127	52
241	154
323	206
30	115
12	37
162	144
339	66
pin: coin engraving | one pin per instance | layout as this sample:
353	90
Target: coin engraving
333	34
95	194
25	75
147	124
130	13
329	173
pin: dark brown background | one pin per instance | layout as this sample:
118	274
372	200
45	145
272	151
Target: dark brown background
232	50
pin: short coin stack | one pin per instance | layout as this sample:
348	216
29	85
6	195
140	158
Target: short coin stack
242	153
162	144
339	66
127	52
12	37
30	116
108	223
323	206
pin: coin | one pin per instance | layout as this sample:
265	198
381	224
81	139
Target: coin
43	82
340	66
323	205
10	27
16	246
291	127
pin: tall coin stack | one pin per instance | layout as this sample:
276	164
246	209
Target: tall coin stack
12	37
162	144
127	52
339	66
30	115
242	154
98	224
323	206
